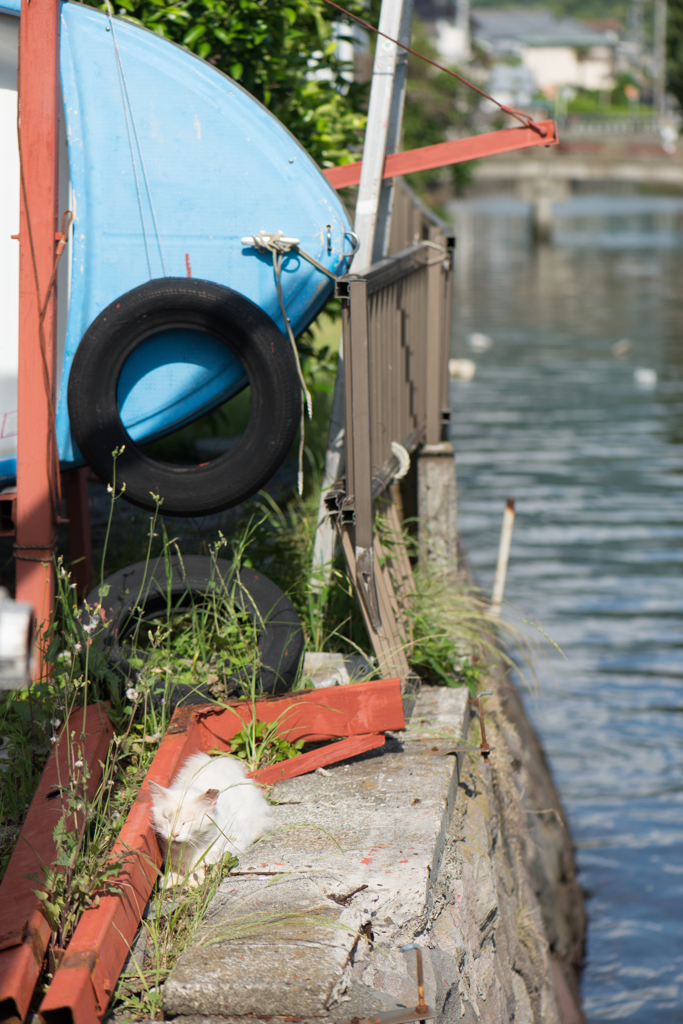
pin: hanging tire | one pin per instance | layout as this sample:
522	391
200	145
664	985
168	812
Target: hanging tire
247	332
280	636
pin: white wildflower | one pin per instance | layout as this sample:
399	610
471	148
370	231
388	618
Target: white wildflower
116	815
90	626
110	489
55	723
78	764
156	737
53	739
77	647
132	693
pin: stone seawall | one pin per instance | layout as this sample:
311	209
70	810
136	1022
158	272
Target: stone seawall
406	844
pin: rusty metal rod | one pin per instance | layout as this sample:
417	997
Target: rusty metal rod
503	556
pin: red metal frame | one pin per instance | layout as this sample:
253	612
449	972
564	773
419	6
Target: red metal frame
39	139
473	148
24	932
85	980
80	541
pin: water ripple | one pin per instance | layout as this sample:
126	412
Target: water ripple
596	467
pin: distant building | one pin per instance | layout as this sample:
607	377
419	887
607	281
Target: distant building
557	51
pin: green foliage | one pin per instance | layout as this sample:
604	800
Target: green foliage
284	54
674	48
436	106
170	924
258	744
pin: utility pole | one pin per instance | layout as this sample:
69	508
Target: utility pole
372	226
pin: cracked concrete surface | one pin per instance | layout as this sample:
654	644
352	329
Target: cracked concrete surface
397	846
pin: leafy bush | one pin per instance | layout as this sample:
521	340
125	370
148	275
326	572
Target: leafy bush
284	54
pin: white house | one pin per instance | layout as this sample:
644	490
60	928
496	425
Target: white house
557	51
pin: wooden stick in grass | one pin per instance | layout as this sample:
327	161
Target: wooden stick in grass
503	556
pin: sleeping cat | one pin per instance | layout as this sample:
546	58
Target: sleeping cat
210	809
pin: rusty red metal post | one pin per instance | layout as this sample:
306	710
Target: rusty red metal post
78	513
38	136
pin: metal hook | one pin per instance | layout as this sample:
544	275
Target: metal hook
355	240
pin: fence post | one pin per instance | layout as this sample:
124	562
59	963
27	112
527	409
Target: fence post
437	506
436	481
358	441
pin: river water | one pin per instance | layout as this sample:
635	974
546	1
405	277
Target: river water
594	461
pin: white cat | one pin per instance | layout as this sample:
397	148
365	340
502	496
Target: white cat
210	809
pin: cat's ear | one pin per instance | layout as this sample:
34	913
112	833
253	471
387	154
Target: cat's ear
157	790
209	798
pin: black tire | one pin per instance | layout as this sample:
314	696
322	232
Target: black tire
247	332
280	640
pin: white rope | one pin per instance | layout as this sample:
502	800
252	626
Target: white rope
128	111
403	456
277	244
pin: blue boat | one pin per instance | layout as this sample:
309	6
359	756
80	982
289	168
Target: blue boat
171	164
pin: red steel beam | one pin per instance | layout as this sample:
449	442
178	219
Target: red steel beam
444	153
331	754
311	715
24	932
39	144
86	977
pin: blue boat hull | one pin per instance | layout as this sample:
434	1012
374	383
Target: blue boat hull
171	164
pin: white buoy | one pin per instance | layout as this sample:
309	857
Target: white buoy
644	377
480	342
622	347
462	369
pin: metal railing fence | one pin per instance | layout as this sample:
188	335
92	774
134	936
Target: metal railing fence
396	327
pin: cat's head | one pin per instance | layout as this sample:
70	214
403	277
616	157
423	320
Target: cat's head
181	820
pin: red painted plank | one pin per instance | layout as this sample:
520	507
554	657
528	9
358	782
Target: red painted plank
87	975
24	932
312	715
444	153
303	763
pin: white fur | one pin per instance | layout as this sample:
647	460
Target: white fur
210	810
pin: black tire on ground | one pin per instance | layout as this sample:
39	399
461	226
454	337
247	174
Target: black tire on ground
280	636
247	332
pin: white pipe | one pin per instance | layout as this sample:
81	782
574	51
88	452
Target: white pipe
503	556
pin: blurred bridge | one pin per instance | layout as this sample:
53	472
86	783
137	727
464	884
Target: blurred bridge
626	152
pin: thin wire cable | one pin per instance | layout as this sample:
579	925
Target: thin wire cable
525	119
128	111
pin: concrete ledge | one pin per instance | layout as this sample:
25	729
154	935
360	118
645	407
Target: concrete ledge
351	857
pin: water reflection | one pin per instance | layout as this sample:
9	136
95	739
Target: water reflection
595	462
